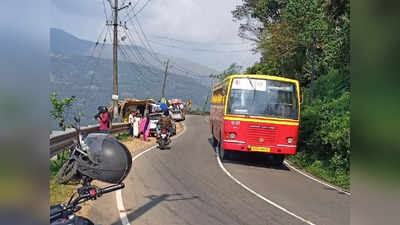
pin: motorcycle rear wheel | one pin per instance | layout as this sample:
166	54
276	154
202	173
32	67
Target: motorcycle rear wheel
68	170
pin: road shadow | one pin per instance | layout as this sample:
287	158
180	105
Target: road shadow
251	159
165	148
154	200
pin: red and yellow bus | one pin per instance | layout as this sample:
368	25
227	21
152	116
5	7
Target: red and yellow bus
255	113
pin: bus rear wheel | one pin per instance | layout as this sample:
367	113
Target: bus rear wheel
223	155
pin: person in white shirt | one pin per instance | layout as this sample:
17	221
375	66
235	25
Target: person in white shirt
136	121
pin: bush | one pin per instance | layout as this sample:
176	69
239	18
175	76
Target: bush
324	132
57	163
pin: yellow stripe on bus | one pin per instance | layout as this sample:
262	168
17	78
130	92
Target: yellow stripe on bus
262	121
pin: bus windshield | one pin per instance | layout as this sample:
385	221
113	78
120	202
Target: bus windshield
260	97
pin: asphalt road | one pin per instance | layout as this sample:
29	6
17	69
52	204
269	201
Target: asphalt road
185	185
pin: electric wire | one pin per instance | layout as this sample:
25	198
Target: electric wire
138	53
198	43
140	10
199	49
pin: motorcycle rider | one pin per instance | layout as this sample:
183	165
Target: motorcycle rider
164	123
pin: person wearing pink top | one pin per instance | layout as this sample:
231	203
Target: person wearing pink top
104	122
144	127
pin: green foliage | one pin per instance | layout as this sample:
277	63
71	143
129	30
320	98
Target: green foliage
59	108
291	32
231	70
324	133
329	170
123	136
205	104
57	163
296	38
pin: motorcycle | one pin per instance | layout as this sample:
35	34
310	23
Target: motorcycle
163	139
65	214
95	157
78	151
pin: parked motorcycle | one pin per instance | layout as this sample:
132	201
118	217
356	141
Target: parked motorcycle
98	156
69	169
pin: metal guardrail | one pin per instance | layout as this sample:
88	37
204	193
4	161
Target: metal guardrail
60	141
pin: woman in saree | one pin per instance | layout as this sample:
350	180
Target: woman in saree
145	127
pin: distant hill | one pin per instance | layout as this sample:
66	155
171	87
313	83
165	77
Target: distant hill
66	44
73	72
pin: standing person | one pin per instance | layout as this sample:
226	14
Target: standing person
145	127
104	120
136	120
131	121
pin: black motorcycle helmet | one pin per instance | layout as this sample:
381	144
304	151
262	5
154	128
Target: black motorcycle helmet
102	109
108	159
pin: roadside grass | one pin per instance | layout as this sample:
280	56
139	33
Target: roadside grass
59	193
323	169
123	137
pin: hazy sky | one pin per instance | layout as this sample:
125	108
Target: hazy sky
204	28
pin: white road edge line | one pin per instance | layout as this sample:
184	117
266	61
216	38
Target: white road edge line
118	193
315	179
259	195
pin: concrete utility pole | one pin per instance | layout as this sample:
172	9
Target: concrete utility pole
115	24
164	82
115	62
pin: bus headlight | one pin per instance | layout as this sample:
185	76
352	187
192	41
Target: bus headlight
289	140
232	135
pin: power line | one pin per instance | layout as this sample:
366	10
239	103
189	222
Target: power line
144	41
139	53
199	49
134	69
198	43
131	10
145	37
140	10
85	95
105	10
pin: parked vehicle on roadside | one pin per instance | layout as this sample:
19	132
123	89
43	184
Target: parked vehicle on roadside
255	113
154	117
177	114
87	154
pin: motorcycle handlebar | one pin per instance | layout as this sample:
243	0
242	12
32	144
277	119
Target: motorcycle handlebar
112	188
90	194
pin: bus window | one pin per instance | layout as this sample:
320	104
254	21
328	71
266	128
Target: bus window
257	97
